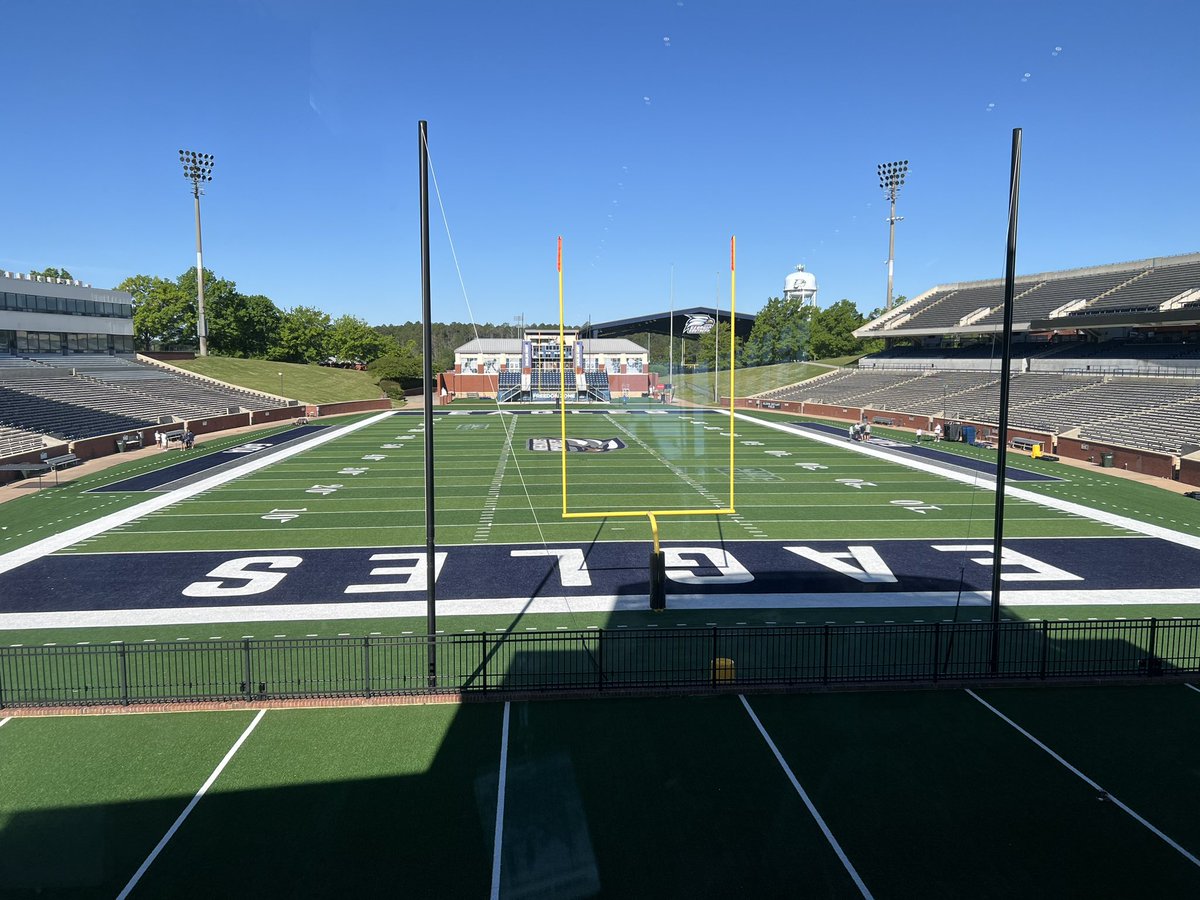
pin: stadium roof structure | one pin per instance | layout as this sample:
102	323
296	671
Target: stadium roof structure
661	323
1159	291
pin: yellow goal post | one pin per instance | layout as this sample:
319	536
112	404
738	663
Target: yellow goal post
651	514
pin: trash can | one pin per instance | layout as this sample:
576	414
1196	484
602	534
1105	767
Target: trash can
722	670
1106	460
968	434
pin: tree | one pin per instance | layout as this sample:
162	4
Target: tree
780	333
351	338
832	331
400	366
710	345
52	273
163	315
302	336
222	309
255	326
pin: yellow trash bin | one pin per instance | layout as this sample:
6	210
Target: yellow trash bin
723	670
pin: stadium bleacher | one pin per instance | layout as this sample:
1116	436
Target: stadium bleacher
79	396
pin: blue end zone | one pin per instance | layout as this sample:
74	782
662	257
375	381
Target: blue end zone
929	453
757	573
195	464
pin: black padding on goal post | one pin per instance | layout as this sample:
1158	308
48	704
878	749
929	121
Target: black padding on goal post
658	580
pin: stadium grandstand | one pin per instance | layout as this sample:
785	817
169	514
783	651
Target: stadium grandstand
527	369
1107	354
68	370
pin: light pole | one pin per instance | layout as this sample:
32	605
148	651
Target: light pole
891	179
280	384
197	168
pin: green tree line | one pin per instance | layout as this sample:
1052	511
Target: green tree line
253	326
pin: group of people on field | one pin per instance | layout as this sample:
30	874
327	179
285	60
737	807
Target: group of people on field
187	440
860	431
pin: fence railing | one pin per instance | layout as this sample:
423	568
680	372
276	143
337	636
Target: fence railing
692	659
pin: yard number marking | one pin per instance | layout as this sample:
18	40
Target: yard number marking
856	483
283	516
917	506
352	470
324	489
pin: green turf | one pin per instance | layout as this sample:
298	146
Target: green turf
307	383
85	799
347	803
1139	743
626	798
928	794
903	778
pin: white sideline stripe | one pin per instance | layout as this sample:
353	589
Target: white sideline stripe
596	603
498	840
1186	685
54	543
837	848
4	722
137	876
1092	784
1166	534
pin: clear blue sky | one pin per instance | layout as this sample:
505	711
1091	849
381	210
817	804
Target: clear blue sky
645	132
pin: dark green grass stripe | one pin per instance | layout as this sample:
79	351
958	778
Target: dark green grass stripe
346	802
656	798
934	796
85	799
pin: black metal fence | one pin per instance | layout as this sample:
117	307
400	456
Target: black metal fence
651	659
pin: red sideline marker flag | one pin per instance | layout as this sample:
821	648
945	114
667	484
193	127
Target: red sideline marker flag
560	253
733	253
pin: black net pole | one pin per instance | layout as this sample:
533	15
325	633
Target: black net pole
1010	268
428	385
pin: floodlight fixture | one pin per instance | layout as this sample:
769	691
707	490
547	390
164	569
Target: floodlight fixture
197	168
892	176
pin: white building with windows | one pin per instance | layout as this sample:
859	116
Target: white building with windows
40	316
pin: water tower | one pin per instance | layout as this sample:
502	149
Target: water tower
802	286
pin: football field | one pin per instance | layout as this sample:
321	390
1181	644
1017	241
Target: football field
326	524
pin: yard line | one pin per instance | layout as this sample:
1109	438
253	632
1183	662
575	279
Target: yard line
1092	784
499	838
4	722
837	848
1186	685
137	876
54	543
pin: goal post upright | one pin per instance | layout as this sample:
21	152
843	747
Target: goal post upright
657	579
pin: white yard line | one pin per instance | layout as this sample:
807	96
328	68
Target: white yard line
4	722
498	840
980	480
833	842
1190	687
187	810
54	543
1092	784
597	603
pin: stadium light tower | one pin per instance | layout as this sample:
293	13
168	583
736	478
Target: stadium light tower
891	179
197	168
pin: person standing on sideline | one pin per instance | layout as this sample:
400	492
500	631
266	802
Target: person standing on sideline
937	432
